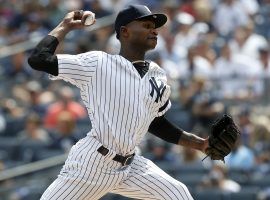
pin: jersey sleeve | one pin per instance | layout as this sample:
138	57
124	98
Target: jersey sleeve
165	103
77	69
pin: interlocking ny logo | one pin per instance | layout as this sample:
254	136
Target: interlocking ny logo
158	88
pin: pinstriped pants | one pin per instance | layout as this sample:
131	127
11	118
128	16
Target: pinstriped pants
88	175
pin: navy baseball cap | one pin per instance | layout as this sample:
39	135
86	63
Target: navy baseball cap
137	12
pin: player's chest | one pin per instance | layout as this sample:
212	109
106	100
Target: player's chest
128	84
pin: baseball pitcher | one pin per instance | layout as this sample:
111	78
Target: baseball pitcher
125	97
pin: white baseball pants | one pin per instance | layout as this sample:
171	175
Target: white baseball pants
88	175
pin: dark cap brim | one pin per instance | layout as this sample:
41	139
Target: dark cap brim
158	18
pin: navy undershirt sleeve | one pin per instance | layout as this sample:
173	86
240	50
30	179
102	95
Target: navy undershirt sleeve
42	57
165	130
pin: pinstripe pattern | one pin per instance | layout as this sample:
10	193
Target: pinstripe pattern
116	97
85	174
88	175
121	109
147	181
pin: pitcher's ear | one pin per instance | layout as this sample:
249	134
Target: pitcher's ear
124	31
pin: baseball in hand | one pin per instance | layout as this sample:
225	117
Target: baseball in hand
89	19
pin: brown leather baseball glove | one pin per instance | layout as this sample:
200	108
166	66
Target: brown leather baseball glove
224	134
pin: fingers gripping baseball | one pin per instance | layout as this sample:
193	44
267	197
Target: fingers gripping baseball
77	19
86	18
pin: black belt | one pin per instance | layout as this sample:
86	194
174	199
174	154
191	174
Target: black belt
124	160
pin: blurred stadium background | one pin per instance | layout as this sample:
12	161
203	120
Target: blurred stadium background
217	57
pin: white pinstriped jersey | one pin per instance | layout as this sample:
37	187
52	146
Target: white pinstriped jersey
121	105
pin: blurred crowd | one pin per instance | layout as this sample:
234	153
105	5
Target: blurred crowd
217	57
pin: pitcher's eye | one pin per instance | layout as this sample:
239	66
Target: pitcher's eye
149	25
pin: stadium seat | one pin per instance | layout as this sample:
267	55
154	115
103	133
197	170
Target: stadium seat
9	147
171	169
209	194
261	182
179	117
30	151
194	168
33	196
239	178
246	193
83	126
13	127
47	153
190	180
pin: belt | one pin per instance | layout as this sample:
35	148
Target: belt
124	160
